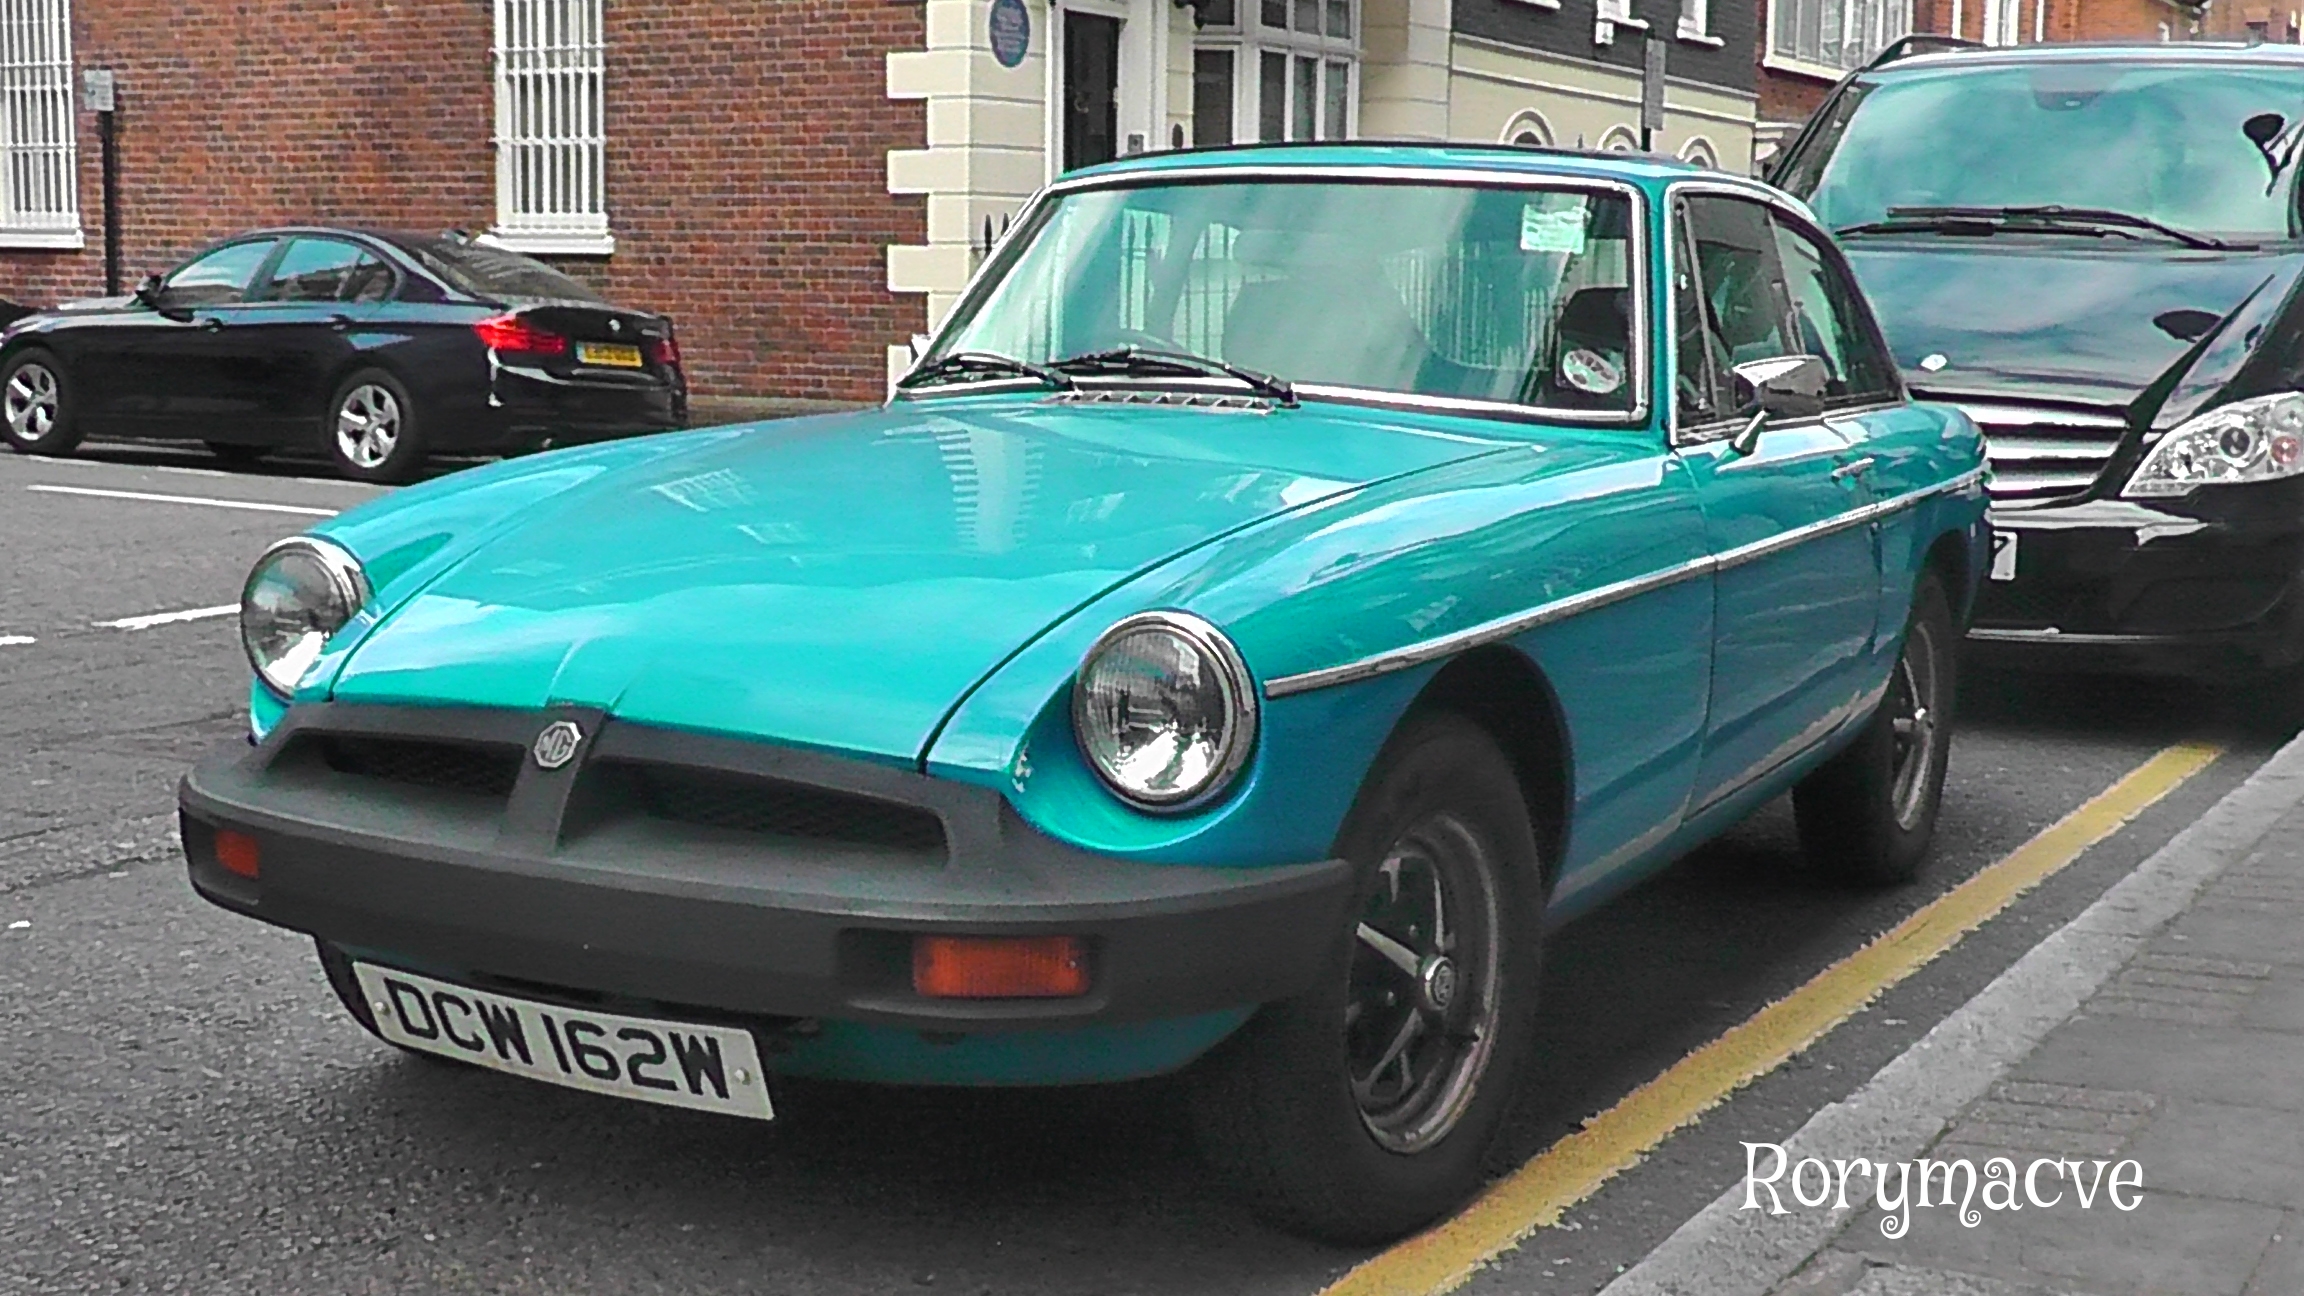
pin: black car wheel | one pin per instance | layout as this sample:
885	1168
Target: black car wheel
372	430
35	409
1364	1108
1866	815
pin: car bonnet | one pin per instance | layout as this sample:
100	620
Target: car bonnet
841	583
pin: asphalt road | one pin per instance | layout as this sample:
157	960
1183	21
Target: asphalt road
184	1107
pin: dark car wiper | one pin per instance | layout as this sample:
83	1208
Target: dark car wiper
1138	359
961	364
1901	220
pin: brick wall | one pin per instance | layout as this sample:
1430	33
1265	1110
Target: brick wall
747	145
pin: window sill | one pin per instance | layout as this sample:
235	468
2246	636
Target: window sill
1540	4
1697	36
598	245
42	240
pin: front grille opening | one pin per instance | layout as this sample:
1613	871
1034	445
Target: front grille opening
766	806
479	769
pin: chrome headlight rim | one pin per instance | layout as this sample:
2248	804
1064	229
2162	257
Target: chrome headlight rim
1235	685
348	583
2256	417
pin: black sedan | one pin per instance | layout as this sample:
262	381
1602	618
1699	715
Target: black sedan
375	349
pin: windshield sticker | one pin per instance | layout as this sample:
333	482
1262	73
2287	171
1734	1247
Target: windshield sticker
1591	372
1553	231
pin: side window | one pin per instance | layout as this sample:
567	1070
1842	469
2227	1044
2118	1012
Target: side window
220	278
369	281
312	270
1739	291
1832	321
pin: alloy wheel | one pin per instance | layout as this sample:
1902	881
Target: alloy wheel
29	403
367	425
1913	710
1420	1017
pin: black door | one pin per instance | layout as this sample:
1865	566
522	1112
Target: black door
161	380
272	363
1091	89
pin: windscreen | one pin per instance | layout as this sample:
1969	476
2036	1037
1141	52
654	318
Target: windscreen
1519	294
2163	141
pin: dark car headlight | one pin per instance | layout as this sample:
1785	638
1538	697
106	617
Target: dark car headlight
303	590
1164	710
2257	439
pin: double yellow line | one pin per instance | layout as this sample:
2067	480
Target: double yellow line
1538	1193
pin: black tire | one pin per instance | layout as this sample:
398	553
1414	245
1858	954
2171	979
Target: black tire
36	412
1282	1110
234	455
354	433
1866	816
338	967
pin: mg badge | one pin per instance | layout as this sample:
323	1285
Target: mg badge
556	746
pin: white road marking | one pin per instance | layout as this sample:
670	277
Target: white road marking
11	641
256	506
168	618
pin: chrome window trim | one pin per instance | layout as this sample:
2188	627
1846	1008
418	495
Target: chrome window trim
1232	678
1637	239
1777	203
1518	623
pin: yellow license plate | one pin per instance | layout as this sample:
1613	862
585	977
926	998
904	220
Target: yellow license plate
613	354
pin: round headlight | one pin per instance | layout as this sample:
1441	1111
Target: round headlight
302	591
1164	710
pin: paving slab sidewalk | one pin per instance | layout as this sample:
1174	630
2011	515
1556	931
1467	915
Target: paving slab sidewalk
2163	1027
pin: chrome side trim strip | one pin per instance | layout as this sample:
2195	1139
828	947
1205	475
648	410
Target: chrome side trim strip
2051	634
1518	623
1416	654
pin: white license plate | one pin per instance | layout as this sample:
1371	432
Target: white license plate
704	1068
613	354
2003	555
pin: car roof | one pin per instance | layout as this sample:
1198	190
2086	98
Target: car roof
2203	53
1643	169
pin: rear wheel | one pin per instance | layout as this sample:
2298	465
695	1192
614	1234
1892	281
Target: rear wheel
1867	815
1364	1108
372	430
36	415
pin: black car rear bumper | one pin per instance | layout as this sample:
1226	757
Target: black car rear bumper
532	408
2205	586
731	876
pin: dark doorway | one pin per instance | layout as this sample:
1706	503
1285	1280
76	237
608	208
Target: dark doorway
1091	89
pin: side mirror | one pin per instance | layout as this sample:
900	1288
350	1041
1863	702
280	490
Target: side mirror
148	292
2263	128
919	345
1786	388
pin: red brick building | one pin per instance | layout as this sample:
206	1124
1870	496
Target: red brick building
723	161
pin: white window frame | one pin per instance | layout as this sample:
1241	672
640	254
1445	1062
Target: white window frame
1248	40
1894	20
39	146
1695	25
551	141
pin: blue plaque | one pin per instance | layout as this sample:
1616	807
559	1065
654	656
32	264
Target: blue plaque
1011	31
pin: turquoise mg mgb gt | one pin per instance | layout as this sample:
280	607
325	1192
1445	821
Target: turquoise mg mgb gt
1293	581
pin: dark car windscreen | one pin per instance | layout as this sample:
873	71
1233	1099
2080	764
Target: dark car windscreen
494	272
2158	140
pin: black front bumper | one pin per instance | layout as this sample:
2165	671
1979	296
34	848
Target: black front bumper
2204	586
708	872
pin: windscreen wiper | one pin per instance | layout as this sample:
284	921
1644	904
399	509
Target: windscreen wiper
1138	359
1987	220
962	364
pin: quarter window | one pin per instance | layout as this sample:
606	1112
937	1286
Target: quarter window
219	278
1832	36
1830	321
1275	70
551	152
1732	308
39	164
319	270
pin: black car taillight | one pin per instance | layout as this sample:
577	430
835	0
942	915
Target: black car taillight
511	333
665	351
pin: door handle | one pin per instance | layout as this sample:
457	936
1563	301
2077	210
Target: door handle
1853	468
339	322
212	324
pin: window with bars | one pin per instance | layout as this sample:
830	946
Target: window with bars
1275	70
551	153
39	171
1832	36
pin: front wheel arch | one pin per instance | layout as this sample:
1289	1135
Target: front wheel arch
1508	695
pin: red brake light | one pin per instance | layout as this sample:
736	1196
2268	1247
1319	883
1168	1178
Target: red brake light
236	852
664	351
511	333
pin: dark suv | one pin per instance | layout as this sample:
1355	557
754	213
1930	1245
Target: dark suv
2096	251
